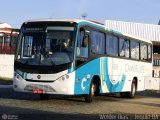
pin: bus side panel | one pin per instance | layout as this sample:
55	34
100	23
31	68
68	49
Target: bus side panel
116	75
113	78
84	74
99	67
123	70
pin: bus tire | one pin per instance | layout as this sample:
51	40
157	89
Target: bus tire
44	96
92	91
132	93
123	94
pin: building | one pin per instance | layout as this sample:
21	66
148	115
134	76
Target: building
140	30
7	46
5	29
8	37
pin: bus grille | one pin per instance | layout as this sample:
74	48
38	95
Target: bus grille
46	88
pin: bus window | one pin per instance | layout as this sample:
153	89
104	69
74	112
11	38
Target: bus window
124	48
82	46
98	42
28	46
149	53
121	47
112	45
143	51
134	50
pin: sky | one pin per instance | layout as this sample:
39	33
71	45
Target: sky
15	12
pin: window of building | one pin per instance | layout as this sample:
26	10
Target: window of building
1	43
1	39
156	62
7	40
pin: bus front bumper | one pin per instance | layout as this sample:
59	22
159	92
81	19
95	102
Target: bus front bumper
64	87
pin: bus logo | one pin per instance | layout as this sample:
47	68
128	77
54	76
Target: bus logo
38	76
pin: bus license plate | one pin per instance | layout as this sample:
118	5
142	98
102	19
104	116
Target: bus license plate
37	91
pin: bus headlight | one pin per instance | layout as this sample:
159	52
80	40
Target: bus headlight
17	76
64	77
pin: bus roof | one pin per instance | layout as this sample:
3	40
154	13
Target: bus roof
54	20
65	20
68	20
91	22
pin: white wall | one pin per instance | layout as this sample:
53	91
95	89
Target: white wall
6	65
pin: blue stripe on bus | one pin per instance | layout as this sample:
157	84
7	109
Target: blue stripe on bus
100	27
91	24
113	87
94	67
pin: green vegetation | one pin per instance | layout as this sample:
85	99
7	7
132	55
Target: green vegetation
5	81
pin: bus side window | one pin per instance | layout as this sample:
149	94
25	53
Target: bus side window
28	40
82	46
97	42
143	47
149	53
134	49
112	45
123	48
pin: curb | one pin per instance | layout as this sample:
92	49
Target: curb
6	86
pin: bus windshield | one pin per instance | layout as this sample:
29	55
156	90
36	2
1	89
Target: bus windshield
52	47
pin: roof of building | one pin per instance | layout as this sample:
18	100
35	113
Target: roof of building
149	32
4	25
5	29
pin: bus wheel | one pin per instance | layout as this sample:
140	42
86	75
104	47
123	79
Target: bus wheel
89	97
44	96
123	94
132	93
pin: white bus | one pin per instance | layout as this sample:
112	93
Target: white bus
79	57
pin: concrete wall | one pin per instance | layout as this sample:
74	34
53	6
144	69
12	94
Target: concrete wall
6	65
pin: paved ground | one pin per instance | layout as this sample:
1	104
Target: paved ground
15	105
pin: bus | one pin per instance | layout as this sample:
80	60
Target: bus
76	57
